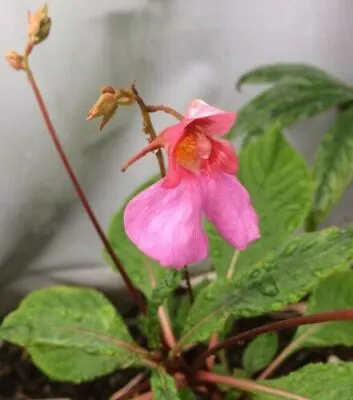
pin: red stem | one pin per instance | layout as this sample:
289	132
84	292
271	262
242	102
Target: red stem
245	384
85	203
340	315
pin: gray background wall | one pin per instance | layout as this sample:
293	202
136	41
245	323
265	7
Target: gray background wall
176	50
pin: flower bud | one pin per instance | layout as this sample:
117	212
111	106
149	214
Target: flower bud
15	60
39	25
105	107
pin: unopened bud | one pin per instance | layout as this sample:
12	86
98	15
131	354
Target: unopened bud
15	60
105	107
126	97
39	25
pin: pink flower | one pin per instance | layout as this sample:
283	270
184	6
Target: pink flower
165	220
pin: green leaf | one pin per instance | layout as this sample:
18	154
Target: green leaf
335	293
137	265
333	167
72	334
186	394
278	280
279	183
316	382
163	386
287	72
287	103
260	352
164	288
179	307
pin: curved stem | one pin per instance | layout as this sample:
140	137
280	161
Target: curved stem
246	385
286	352
79	190
167	110
148	128
341	315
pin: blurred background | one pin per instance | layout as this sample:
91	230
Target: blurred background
176	50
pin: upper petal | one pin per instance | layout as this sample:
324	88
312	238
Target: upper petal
213	120
165	224
227	205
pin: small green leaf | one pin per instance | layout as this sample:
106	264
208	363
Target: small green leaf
278	280
72	334
260	352
163	386
335	293
136	264
159	295
279	183
186	394
285	72
316	382
333	167
287	103
179	307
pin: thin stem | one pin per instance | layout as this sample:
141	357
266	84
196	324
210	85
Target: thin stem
211	359
145	396
340	315
128	387
246	385
167	110
85	203
139	388
148	128
188	284
232	264
168	334
286	352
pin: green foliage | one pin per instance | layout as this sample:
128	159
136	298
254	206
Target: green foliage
159	295
163	386
260	352
280	187
335	293
333	167
315	382
136	264
285	72
299	92
279	279
72	334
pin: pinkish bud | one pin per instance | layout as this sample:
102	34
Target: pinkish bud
15	60
39	25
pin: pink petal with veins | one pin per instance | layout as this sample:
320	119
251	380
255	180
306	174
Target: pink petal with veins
228	206
165	224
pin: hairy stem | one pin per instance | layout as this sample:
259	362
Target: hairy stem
286	352
148	128
340	315
167	110
246	385
79	190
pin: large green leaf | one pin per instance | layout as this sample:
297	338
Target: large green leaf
335	293
163	386
333	167
260	352
315	382
159	295
288	103
287	72
72	334
279	279
279	183
137	265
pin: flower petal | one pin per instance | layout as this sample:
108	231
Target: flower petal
165	224
214	121
227	205
222	158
